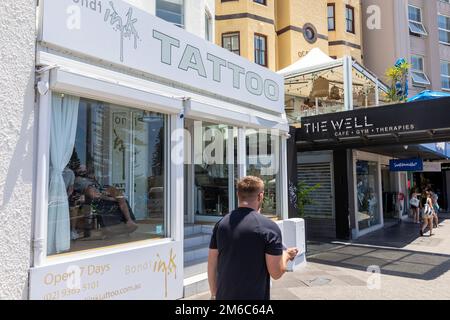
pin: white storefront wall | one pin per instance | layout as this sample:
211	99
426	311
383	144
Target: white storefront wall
177	74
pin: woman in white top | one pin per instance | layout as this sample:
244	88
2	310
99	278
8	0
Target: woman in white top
415	204
428	212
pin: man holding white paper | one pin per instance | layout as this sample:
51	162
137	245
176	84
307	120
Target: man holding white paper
246	249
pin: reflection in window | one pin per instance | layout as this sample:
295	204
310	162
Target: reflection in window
418	72
107	175
445	75
444	29
416	26
230	41
212	183
263	161
171	11
367	194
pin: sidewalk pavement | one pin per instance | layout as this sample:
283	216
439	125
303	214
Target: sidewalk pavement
412	267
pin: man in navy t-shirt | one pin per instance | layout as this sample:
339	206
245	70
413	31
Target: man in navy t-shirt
246	249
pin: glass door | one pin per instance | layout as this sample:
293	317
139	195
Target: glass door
209	177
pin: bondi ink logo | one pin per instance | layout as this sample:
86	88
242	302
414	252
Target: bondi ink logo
126	26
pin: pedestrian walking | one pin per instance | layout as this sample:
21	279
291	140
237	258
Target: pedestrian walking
246	249
427	214
414	205
434	199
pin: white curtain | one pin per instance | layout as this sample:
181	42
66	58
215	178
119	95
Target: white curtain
62	139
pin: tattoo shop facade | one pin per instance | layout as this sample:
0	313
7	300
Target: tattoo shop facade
142	129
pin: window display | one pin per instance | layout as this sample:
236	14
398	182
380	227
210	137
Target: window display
367	194
107	175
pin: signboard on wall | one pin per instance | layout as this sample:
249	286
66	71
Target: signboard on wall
115	32
391	120
432	167
150	273
406	165
445	166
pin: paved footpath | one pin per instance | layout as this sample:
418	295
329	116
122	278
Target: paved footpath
412	267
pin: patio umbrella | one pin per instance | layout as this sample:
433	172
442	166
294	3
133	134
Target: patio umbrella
428	94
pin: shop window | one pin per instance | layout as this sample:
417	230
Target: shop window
331	9
350	19
416	26
263	152
212	182
445	75
444	29
231	42
417	71
260	42
367	194
107	181
171	11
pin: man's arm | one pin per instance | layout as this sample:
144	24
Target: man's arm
212	271
277	265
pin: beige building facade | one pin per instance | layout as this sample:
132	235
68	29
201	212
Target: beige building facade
278	33
417	30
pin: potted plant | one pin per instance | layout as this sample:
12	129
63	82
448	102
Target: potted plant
304	196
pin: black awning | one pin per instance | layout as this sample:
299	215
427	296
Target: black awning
405	123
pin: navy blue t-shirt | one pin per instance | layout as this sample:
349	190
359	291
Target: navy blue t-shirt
243	238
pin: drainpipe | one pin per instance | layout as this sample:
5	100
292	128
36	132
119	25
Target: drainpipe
41	198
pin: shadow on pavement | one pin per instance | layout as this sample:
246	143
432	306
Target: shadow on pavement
391	258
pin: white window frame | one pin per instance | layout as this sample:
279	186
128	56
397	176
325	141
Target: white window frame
445	76
425	33
445	30
209	26
421	72
69	82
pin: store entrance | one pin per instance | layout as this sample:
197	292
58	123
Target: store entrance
394	190
434	181
209	178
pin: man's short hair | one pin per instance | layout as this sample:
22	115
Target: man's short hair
249	187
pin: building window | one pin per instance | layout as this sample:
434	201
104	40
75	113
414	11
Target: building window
350	19
171	11
444	29
208	26
107	179
260	49
310	33
417	71
231	42
331	17
263	2
416	26
445	75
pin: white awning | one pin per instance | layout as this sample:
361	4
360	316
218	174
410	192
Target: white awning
316	58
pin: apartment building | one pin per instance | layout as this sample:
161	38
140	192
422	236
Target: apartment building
195	16
276	34
417	30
